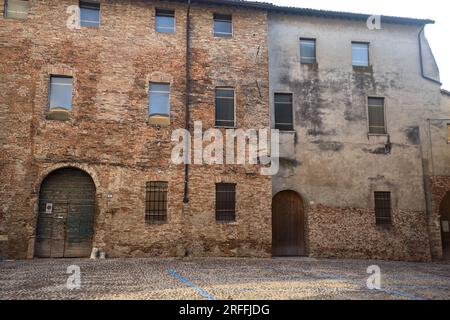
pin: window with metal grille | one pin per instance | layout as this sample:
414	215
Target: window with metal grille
283	112
60	92
156	202
223	25
383	208
225	202
165	20
377	123
307	51
360	54
16	9
89	14
225	107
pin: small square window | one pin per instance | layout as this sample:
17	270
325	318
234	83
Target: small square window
165	21
360	54
377	124
89	14
223	25
17	9
283	112
225	107
60	93
307	51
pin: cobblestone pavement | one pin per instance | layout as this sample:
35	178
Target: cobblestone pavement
212	278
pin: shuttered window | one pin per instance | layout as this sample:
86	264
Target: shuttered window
89	14
283	112
60	92
17	9
225	202
165	21
307	51
383	209
225	107
223	25
156	202
377	116
360	54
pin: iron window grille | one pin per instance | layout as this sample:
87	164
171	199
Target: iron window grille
156	202
307	51
283	112
383	210
89	14
225	202
223	25
377	123
225	107
165	21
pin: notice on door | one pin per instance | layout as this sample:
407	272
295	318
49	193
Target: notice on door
445	226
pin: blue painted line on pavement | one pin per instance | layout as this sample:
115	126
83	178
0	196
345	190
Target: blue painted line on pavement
201	291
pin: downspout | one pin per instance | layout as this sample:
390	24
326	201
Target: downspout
187	93
421	58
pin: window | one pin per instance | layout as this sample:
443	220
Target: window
223	26
283	112
225	107
60	92
383	208
360	54
376	116
159	99
165	21
225	202
448	132
17	9
156	202
307	51
89	14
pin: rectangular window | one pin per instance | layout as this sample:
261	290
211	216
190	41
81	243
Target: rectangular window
156	202
60	92
165	21
223	25
377	123
89	14
225	107
448	132
17	9
283	112
383	208
159	99
360	54
307	51
225	202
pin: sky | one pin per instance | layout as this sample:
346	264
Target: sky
438	34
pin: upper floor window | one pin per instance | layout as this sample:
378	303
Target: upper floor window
156	202
60	92
89	14
225	202
225	107
223	25
307	51
165	20
377	118
17	9
383	208
284	119
159	99
360	54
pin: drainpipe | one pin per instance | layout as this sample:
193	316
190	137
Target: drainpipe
187	93
421	58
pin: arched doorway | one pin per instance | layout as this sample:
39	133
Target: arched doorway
444	212
288	225
65	224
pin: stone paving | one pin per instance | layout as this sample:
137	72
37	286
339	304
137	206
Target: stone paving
216	278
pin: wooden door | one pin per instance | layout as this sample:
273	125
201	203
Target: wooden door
66	213
288	225
445	226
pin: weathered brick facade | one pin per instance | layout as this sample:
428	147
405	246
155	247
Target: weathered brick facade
108	135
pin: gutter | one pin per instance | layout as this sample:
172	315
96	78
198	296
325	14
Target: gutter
187	94
419	36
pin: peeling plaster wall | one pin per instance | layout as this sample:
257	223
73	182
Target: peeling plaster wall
331	160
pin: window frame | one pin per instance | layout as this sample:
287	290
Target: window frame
383	220
368	54
149	114
220	213
149	217
215	107
156	19
5	10
95	6
448	133
51	76
315	50
292	110
384	114
222	34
